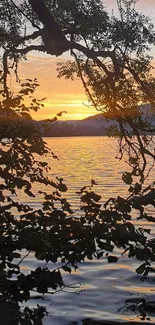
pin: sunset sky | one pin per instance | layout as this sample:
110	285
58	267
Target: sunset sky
61	94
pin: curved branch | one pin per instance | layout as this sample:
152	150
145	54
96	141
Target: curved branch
29	37
57	36
54	30
84	83
47	20
22	51
41	48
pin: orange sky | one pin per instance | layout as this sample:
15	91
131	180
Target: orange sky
61	94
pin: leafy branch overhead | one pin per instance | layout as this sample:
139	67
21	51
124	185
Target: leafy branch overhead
110	56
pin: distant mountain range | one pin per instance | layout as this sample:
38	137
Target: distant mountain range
92	126
96	125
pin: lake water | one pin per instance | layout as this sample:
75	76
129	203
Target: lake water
102	288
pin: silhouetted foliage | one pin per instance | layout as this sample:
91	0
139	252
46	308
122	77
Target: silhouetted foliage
53	232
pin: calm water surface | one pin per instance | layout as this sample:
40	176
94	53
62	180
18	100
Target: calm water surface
104	288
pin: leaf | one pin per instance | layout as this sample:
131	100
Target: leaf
16	255
66	268
133	161
127	178
99	255
112	259
93	182
42	288
62	187
106	246
141	268
95	196
137	188
60	114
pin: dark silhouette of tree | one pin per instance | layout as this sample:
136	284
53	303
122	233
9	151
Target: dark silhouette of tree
110	56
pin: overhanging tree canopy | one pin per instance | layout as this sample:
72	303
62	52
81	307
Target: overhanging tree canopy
110	56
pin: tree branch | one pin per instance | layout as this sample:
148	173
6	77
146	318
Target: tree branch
41	48
29	37
54	30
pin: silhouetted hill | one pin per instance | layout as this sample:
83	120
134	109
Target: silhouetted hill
96	125
88	127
